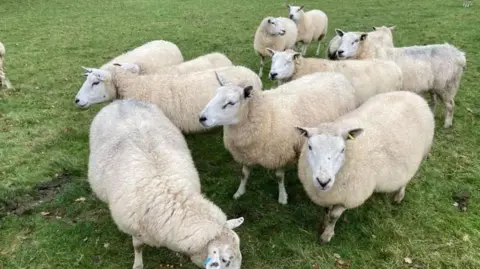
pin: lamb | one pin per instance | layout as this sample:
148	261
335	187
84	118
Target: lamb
312	26
436	69
368	77
277	33
204	62
180	97
258	126
382	36
376	148
4	81
140	165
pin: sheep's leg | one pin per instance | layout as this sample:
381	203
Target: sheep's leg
243	182
262	63
304	49
8	84
433	101
138	248
449	105
399	195
331	217
282	192
318	48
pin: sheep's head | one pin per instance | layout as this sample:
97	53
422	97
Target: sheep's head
226	106
283	64
326	152
350	44
97	88
273	26
223	252
295	12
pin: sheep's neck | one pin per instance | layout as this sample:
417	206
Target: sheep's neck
305	66
123	80
301	23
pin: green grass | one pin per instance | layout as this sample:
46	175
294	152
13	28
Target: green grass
42	134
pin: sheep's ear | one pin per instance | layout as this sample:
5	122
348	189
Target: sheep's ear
296	55
269	21
307	132
363	36
247	91
392	27
301	7
270	51
234	223
288	6
339	32
351	134
220	79
86	69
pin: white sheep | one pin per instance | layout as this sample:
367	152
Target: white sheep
277	33
140	165
376	148
181	97
201	63
382	36
258	126
436	69
312	26
368	77
4	81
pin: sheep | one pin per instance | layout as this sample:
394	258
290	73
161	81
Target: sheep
376	148
140	165
204	62
180	97
258	126
278	33
436	68
312	26
4	81
381	35
368	77
467	3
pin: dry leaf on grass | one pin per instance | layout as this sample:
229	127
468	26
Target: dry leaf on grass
408	260
44	213
106	245
315	266
80	199
466	238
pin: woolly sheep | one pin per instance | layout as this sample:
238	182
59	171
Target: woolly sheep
376	148
180	97
381	35
4	81
312	26
436	69
201	63
258	126
277	33
368	77
141	167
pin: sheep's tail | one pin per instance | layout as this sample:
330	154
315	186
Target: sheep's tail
461	57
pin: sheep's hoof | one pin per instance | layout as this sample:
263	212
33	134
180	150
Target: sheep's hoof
237	195
325	237
283	198
138	266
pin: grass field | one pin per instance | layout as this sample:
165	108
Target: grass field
44	139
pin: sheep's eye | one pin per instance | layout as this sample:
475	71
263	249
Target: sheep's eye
95	83
229	103
343	150
224	261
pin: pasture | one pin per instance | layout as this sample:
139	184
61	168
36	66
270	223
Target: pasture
44	140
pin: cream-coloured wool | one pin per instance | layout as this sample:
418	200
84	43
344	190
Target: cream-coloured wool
4	81
258	126
277	33
180	97
376	148
368	77
436	69
140	165
312	26
380	36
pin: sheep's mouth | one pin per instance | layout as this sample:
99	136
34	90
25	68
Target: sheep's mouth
282	33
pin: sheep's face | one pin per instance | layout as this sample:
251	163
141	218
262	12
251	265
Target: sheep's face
226	106
283	64
350	44
274	27
97	88
326	154
295	12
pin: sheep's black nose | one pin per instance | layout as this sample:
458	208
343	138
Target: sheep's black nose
273	75
77	100
291	16
340	52
323	184
214	264
202	119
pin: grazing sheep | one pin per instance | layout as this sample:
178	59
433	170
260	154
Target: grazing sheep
312	26
140	165
277	33
368	77
467	3
4	81
201	63
258	126
180	97
382	36
376	148
436	69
